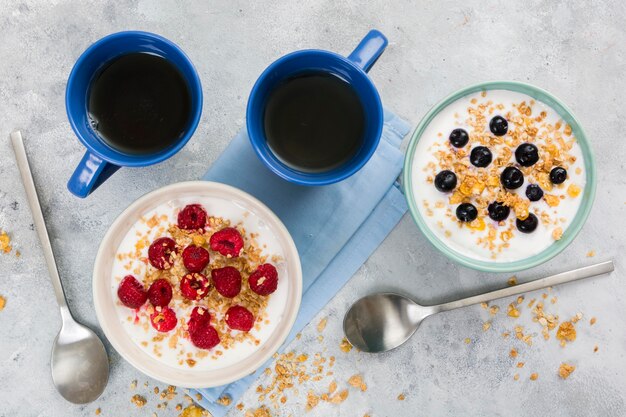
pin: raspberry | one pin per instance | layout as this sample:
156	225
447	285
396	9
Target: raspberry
131	292
239	318
195	258
227	281
163	319
204	336
160	293
227	241
193	216
194	286
264	280
199	316
161	253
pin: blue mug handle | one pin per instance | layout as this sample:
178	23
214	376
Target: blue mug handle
369	50
89	174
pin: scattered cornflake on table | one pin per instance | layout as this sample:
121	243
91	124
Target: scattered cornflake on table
3	302
565	370
311	400
138	400
513	311
357	382
133	384
333	387
516	377
591	254
520	364
345	346
592	321
5	243
401	397
322	325
512	281
534	376
566	332
195	411
339	397
486	326
98	411
513	353
259	412
595	348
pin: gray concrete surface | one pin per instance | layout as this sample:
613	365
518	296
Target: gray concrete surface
574	48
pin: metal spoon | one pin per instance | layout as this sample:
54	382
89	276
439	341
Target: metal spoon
384	321
80	366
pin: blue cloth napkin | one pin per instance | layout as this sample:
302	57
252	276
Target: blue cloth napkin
335	227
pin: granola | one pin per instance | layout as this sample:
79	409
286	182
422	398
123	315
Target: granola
499	193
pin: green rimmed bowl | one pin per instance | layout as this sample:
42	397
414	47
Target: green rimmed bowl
569	234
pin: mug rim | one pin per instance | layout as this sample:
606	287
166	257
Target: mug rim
311	178
147	159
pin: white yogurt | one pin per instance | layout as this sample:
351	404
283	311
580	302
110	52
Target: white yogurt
463	239
141	331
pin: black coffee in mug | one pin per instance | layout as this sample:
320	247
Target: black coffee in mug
314	122
139	104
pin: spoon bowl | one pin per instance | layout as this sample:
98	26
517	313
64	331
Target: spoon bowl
380	322
79	362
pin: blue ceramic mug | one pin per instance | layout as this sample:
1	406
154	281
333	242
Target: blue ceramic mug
353	69
101	160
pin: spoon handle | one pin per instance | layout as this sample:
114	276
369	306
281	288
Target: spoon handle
40	225
563	277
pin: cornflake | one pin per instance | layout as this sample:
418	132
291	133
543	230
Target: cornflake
345	346
357	382
566	332
322	324
5	243
565	370
194	411
138	400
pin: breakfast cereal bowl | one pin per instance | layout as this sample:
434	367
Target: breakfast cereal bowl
499	176
197	284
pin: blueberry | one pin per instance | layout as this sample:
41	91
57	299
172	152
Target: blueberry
458	138
511	178
558	175
527	154
534	192
499	126
445	181
480	156
466	212
498	211
528	225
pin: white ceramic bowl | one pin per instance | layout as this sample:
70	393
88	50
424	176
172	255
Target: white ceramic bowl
105	303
